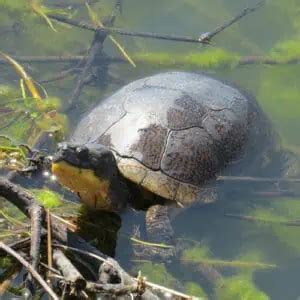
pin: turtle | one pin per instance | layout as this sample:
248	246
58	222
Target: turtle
159	142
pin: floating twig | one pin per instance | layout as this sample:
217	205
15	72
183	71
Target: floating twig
149	244
260	219
258	179
276	194
231	264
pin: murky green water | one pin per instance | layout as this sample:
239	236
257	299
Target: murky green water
272	31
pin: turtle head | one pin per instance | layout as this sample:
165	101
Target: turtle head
91	172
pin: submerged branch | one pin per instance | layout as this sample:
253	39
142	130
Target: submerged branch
95	52
25	201
203	39
64	59
68	270
109	30
33	272
258	179
263	220
239	264
45	59
206	37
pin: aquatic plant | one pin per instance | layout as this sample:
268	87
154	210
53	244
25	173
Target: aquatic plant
201	255
157	273
47	197
207	59
239	287
196	290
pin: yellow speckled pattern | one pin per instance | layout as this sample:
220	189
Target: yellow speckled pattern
92	190
132	170
159	183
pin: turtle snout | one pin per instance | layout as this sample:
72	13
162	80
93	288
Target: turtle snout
65	152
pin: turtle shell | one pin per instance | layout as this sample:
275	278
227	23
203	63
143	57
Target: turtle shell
171	132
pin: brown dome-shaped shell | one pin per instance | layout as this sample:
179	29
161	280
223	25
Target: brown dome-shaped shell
172	131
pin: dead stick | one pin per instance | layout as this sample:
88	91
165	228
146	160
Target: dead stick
100	258
60	76
116	289
68	270
276	194
203	39
107	30
257	219
258	179
116	10
45	59
32	209
243	60
29	267
23	200
107	261
206	37
94	53
49	242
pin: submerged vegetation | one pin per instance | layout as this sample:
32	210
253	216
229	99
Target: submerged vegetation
261	54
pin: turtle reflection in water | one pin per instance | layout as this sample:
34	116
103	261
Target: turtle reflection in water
167	134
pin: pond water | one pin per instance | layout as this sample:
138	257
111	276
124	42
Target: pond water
259	258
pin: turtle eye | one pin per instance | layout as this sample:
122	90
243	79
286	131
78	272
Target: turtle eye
82	153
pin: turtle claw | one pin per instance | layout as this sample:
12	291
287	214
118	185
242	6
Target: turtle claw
160	244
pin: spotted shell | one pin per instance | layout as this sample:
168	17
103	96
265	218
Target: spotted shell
172	132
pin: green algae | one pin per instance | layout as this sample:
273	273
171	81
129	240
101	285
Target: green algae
276	220
207	59
194	289
157	273
47	198
278	93
24	119
286	51
239	287
201	255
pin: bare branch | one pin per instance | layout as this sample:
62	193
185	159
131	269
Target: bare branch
257	179
206	37
203	39
24	201
258	219
68	270
30	268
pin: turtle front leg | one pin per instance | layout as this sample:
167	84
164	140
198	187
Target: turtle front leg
158	225
160	242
